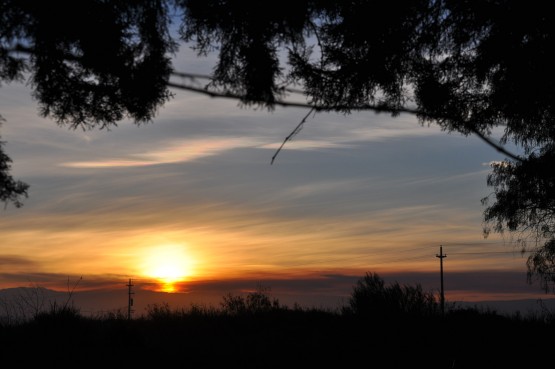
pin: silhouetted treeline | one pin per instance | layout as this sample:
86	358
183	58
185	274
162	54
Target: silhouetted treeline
256	331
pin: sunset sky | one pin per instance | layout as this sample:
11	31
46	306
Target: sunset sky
193	197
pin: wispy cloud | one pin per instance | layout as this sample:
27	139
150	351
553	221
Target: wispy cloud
14	260
174	152
308	145
192	150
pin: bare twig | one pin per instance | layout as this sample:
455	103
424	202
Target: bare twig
70	291
292	134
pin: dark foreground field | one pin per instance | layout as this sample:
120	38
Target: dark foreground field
278	338
383	326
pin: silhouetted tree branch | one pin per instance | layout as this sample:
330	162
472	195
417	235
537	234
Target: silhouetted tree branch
312	108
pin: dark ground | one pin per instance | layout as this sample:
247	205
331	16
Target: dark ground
280	339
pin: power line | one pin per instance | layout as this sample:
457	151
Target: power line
490	252
394	258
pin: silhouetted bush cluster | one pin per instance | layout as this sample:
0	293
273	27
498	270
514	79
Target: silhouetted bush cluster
384	326
371	297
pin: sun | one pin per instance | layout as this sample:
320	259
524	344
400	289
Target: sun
169	264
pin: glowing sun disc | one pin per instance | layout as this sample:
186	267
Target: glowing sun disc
167	263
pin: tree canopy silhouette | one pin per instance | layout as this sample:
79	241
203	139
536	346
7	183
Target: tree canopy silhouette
472	67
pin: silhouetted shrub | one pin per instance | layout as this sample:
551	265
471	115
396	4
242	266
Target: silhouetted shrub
255	302
116	314
372	298
159	311
58	312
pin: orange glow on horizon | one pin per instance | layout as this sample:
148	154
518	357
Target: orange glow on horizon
168	287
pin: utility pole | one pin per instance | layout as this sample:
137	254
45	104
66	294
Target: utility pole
441	256
130	301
